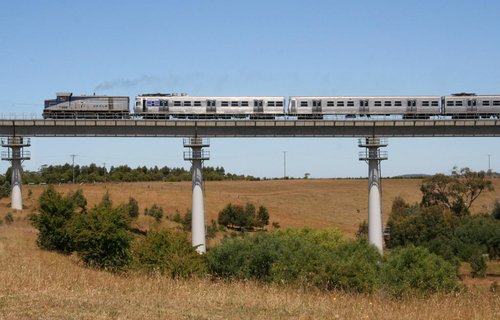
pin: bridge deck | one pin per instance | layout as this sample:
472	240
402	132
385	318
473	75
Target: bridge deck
250	128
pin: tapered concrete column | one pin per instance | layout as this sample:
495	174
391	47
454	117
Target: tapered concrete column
16	183
373	156
16	155
198	208
197	156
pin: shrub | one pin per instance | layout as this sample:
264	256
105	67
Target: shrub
298	256
478	266
55	212
475	236
101	237
414	270
79	200
168	253
155	211
495	213
133	208
5	190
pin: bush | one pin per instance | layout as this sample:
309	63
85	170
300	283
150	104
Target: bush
101	237
414	270
155	211
475	236
133	208
5	190
168	253
478	265
79	200
55	213
302	257
243	217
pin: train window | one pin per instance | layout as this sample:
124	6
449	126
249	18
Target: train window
449	103
329	104
279	103
303	104
210	103
425	103
224	104
187	103
387	103
244	103
496	103
350	103
378	103
486	103
340	103
258	103
398	103
137	103
270	103
316	103
234	103
458	103
197	103
177	103
164	103
435	103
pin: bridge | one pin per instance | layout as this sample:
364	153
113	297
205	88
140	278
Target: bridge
196	133
251	128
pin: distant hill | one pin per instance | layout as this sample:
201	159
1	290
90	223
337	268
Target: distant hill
412	176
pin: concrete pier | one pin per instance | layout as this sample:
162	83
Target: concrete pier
373	156
197	155
16	155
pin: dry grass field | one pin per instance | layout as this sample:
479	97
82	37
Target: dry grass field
36	284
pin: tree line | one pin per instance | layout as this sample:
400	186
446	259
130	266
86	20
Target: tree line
55	174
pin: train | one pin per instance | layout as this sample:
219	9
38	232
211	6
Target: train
183	106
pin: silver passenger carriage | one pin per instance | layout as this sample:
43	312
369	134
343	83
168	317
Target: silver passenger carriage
68	106
410	107
470	105
183	106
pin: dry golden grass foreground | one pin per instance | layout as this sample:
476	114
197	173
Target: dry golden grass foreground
36	284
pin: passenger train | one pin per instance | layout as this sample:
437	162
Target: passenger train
183	106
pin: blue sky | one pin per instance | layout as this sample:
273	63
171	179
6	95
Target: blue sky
252	48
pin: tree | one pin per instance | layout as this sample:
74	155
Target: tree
79	200
102	238
495	213
456	192
55	213
133	208
262	217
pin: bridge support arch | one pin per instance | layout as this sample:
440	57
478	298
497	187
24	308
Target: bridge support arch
373	156
197	155
16	155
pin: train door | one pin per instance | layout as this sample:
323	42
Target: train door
258	106
411	106
316	106
211	108
363	106
471	105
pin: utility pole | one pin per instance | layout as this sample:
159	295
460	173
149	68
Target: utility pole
489	162
104	164
73	157
284	164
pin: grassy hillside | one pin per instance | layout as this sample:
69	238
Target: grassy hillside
45	285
